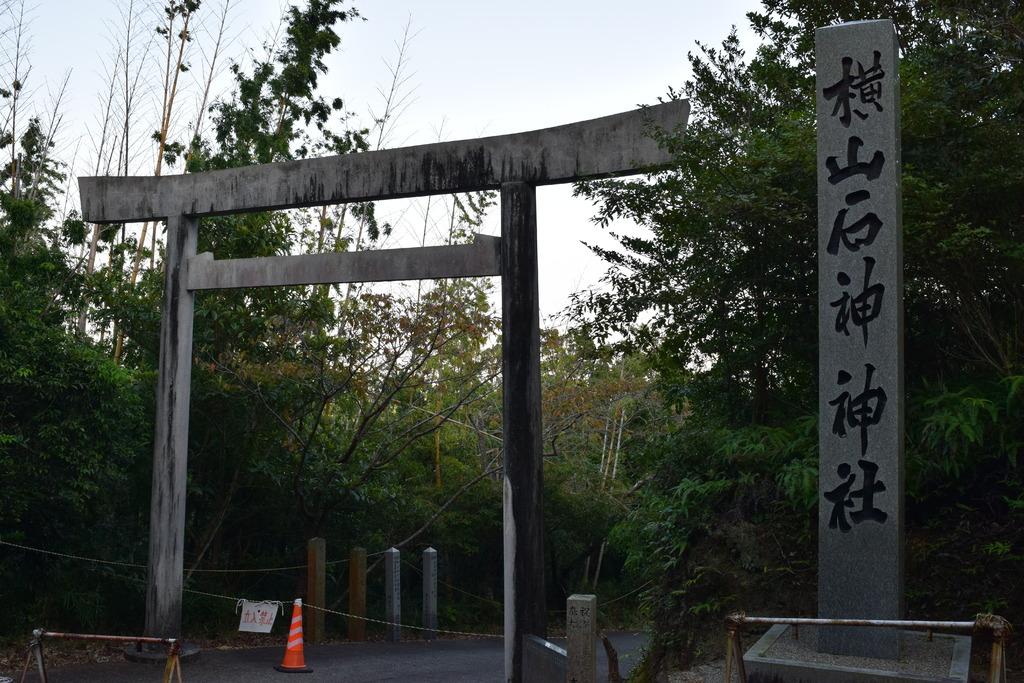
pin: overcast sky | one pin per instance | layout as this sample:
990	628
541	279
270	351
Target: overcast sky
477	67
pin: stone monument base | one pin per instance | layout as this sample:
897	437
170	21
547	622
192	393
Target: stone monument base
779	657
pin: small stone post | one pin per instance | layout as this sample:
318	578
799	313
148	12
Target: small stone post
393	593
357	594
581	638
316	588
430	594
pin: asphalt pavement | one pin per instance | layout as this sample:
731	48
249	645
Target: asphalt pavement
439	661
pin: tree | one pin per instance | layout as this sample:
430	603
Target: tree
721	293
69	418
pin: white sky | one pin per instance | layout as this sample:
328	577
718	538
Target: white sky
479	67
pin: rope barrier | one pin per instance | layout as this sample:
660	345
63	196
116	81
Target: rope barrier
73	557
236	600
134	565
626	595
455	588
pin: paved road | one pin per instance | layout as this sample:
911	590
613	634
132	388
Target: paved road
441	661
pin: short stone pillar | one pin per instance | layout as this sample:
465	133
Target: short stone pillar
581	638
316	588
357	594
393	594
429	594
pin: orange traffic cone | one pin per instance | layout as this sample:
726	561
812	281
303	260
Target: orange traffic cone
294	661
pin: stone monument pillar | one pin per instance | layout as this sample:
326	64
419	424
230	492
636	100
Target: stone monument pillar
860	333
393	594
429	594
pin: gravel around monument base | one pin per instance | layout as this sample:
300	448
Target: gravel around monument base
917	655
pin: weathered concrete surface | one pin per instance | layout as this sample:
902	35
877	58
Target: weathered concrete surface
170	440
438	661
860	323
523	502
608	146
763	667
418	263
543	661
393	594
430	594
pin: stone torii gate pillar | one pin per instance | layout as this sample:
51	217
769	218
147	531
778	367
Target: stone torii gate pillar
512	164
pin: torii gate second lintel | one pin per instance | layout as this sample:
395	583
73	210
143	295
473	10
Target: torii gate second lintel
514	164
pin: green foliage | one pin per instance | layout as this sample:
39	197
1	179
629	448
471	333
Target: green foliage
70	419
721	295
274	104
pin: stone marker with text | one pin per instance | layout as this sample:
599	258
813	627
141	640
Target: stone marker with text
860	328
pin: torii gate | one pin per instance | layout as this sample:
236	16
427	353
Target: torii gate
514	164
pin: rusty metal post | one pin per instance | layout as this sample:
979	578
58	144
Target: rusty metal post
734	649
35	651
173	662
1000	629
37	645
737	652
727	676
997	664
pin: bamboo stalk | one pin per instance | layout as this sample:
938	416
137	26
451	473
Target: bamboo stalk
166	114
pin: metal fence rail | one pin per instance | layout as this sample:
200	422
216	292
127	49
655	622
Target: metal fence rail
35	649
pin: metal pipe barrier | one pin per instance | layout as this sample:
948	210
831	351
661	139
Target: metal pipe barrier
999	627
35	649
543	661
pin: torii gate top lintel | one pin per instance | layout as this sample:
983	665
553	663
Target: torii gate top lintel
605	147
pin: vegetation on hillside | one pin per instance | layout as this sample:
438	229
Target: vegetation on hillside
721	295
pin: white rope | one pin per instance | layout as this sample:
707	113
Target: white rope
73	557
303	566
237	600
626	595
243	571
134	565
453	587
415	628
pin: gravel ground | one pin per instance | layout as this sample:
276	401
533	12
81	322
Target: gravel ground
712	672
705	673
917	655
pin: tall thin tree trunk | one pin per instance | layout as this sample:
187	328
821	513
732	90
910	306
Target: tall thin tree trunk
171	73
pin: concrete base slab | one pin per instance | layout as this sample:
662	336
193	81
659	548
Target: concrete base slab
158	655
779	657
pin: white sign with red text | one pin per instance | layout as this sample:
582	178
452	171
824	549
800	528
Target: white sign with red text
257	617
